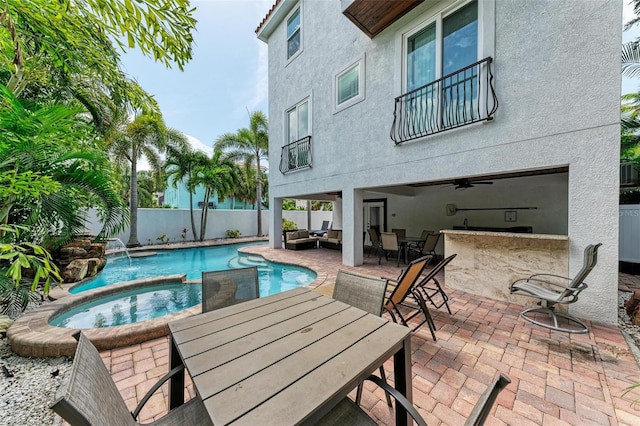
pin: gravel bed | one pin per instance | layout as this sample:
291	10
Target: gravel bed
25	397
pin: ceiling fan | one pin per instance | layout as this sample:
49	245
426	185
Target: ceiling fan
466	183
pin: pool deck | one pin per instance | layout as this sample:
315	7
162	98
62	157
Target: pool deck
556	378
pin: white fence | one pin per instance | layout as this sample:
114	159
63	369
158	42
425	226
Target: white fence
154	223
629	233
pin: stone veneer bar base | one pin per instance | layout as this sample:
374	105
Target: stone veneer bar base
488	262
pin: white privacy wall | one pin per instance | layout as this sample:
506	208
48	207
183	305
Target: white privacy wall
630	233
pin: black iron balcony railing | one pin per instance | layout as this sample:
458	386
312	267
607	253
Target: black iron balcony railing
463	97
296	155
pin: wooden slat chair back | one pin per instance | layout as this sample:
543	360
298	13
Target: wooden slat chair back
551	290
90	397
402	288
363	292
228	287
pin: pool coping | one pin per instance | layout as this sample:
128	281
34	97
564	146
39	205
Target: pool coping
32	336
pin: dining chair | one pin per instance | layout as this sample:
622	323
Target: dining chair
375	241
91	397
228	287
389	242
363	292
400	232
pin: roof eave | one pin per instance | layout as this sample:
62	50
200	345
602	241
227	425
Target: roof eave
274	18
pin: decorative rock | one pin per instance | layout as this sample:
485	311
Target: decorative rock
75	271
5	323
92	266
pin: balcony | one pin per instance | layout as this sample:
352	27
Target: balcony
458	99
296	155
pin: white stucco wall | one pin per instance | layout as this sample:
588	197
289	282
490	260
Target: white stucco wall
557	78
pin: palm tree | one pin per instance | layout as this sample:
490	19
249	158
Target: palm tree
219	175
181	165
631	50
144	137
250	145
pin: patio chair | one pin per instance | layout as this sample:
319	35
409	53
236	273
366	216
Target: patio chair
428	246
91	397
400	232
484	405
363	292
349	413
228	287
389	242
550	291
375	241
402	288
429	287
323	229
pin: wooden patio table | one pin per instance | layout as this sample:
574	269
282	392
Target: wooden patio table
284	359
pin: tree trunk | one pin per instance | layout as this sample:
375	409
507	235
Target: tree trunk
133	201
259	195
193	222
204	213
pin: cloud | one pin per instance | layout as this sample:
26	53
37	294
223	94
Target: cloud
198	145
261	78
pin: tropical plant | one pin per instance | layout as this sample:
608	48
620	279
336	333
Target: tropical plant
180	166
631	50
250	145
51	168
75	36
288	225
144	137
219	175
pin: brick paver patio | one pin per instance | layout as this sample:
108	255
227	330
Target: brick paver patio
556	378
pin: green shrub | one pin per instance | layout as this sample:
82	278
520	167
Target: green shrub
288	225
233	233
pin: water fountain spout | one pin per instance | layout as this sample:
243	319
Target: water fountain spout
121	247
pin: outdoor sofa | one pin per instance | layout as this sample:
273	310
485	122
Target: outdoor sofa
332	239
299	240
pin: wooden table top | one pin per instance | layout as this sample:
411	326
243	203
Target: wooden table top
282	359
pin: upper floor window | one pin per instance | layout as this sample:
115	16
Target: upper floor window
294	33
296	152
349	85
444	45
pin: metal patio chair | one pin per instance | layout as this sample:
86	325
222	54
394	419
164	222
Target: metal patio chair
389	242
228	287
91	397
375	241
402	288
429	288
427	246
553	289
363	292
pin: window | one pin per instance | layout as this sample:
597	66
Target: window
428	58
349	85
437	52
296	153
294	35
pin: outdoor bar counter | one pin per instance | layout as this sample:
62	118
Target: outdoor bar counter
487	262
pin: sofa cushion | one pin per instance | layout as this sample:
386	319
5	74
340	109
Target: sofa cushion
293	235
332	233
303	233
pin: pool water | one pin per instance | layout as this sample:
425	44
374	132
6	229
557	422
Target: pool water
131	306
274	277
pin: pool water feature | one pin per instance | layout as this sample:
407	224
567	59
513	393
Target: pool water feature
274	277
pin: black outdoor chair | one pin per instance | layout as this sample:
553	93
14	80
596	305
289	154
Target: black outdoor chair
228	287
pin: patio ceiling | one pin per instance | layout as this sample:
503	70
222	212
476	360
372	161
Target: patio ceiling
373	16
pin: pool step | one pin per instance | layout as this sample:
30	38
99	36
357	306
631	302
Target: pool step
247	261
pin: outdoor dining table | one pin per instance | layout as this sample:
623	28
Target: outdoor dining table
284	359
404	245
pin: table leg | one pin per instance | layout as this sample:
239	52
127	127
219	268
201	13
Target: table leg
176	383
402	379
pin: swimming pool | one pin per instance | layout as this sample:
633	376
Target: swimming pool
274	277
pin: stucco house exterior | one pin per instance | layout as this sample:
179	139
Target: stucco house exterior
443	114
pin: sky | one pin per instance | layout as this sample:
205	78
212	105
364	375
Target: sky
225	80
227	77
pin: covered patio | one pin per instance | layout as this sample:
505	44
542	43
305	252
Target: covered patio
557	379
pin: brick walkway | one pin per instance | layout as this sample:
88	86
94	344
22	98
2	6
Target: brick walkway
557	379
